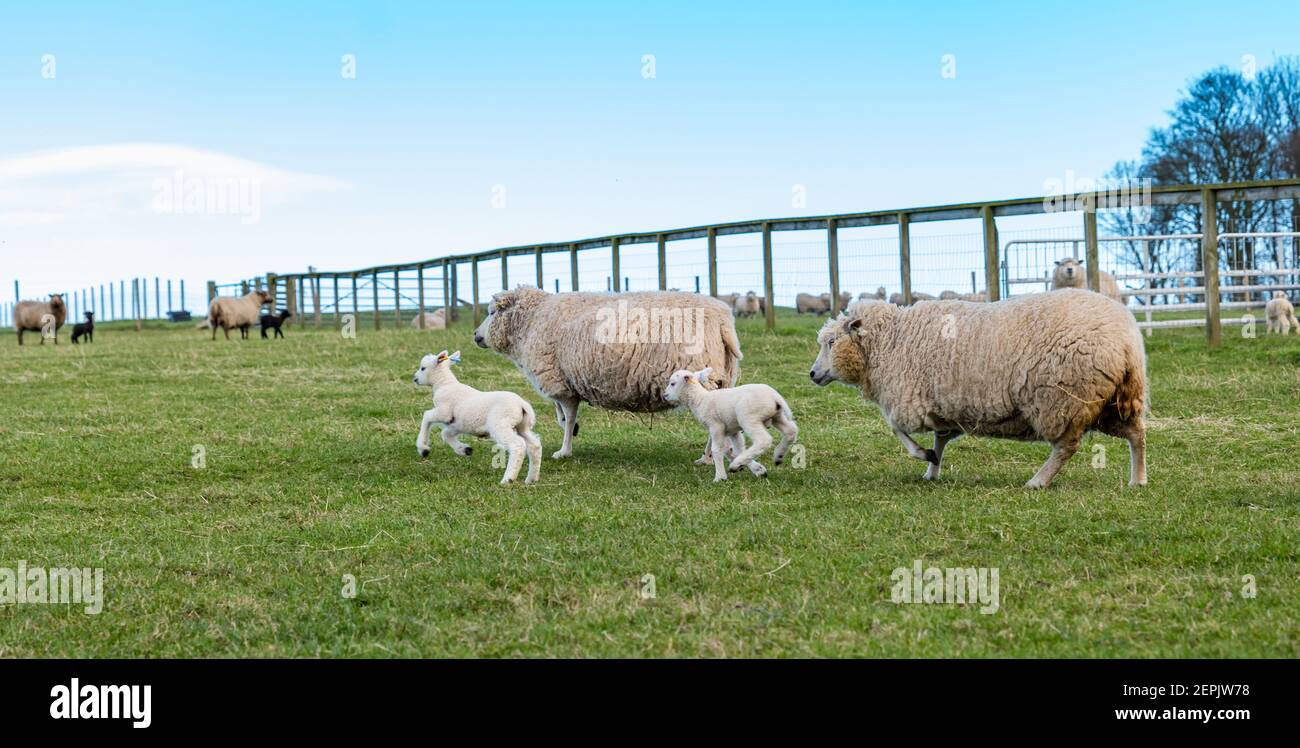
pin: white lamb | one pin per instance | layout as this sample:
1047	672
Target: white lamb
1281	314
504	416
750	408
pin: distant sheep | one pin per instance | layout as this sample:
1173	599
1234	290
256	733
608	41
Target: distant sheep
505	417
1281	314
747	305
240	312
897	298
610	350
728	298
435	320
275	322
1038	367
806	303
729	414
1070	273
85	329
879	295
44	317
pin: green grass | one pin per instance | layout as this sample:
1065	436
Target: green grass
311	474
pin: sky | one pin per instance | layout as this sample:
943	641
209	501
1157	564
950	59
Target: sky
224	140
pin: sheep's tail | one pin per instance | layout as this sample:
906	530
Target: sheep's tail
1131	395
731	352
529	420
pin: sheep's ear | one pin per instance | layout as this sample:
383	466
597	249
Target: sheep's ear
856	326
503	300
703	374
454	358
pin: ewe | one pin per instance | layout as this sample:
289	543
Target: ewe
1039	367
747	305
237	311
610	350
1281	315
749	408
40	316
504	416
1070	273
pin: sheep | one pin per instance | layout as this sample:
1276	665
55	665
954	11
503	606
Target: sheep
864	296
45	317
747	305
610	350
897	298
84	329
948	295
505	417
1070	273
1037	367
237	311
729	299
435	320
731	413
806	303
274	322
979	296
1281	314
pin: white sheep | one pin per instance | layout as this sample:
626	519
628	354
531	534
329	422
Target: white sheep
1038	367
747	305
730	414
1070	273
505	417
1281	314
435	320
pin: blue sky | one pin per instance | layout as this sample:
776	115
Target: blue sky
548	102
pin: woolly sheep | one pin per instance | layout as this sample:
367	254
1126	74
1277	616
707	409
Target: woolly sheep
806	303
610	350
948	295
729	299
505	417
731	413
897	299
1281	314
435	320
40	316
1038	367
1070	273
879	295
747	305
240	312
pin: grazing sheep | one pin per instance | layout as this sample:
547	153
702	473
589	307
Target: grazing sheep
84	329
731	413
505	417
806	303
1281	314
879	295
728	298
40	316
1070	273
610	350
274	322
948	295
1038	367
747	305
237	311
980	296
435	320
897	298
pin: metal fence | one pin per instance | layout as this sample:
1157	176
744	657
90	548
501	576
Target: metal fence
136	299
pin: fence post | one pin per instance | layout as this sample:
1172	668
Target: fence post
419	279
505	271
573	266
1210	264
663	263
338	310
169	295
212	291
157	297
905	256
833	263
181	299
315	297
374	294
473	275
136	294
453	313
541	282
991	280
397	298
356	304
446	293
613	260
291	296
768	284
1092	256
713	261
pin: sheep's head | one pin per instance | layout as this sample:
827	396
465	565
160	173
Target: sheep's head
431	364
1068	274
1279	294
508	315
261	297
844	343
56	302
683	378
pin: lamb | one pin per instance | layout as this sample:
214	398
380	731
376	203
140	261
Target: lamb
274	322
237	311
731	413
1038	367
84	329
1281	314
610	350
1070	273
45	317
435	320
747	305
504	416
806	303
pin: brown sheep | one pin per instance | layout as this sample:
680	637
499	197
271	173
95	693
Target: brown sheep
35	316
237	311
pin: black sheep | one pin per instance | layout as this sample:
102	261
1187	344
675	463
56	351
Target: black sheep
273	322
86	329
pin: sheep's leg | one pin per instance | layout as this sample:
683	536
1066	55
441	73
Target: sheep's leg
789	435
914	449
516	446
1135	431
534	445
1062	450
422	441
716	439
452	437
569	407
707	457
737	446
20	336
941	439
761	442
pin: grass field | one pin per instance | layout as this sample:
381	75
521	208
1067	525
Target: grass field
311	474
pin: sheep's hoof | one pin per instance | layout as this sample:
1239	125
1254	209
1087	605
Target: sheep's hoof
561	454
758	470
1035	485
507	481
719	478
468	451
529	481
704	461
931	457
734	468
424	453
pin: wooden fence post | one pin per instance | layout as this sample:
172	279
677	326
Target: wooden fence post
447	296
1210	264
315	297
573	266
712	234
473	274
419	279
272	287
397	298
291	296
1091	253
505	271
453	313
663	263
613	260
991	275
833	263
338	310
768	284
136	294
905	256
541	281
356	304
374	293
